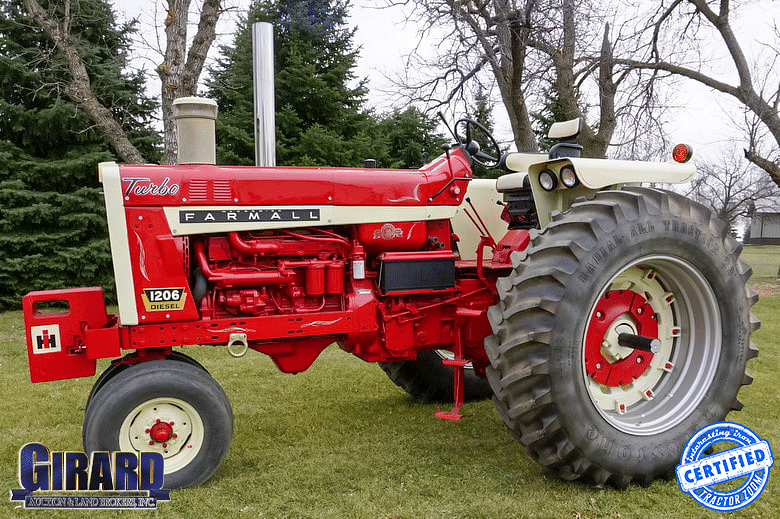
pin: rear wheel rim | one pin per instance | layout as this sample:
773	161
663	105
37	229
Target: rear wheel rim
676	378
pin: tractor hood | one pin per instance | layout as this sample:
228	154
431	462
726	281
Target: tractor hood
208	198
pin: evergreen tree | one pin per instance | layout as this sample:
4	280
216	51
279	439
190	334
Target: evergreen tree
52	217
553	111
407	136
320	119
482	112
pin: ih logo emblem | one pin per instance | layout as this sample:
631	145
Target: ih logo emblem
388	232
46	338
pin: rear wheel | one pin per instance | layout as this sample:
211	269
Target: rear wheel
428	380
171	407
575	390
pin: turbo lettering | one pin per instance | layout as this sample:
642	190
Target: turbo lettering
144	186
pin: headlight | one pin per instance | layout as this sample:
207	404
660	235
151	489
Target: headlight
568	177
548	180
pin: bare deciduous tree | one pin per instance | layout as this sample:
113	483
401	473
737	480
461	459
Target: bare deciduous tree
734	188
532	49
180	69
681	34
179	72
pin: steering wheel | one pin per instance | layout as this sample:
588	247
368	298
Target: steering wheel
474	133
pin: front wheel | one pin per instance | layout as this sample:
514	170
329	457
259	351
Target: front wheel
168	406
114	369
624	330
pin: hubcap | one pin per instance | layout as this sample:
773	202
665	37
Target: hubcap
161	432
618	311
637	391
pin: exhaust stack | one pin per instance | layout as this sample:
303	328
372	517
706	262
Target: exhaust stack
265	105
195	130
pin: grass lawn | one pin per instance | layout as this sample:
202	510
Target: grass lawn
340	440
765	260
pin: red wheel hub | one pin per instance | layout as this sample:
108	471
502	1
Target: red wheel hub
161	431
618	306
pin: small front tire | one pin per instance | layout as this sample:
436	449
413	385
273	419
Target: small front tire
168	406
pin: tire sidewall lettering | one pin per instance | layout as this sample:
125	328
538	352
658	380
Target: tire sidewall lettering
637	232
630	241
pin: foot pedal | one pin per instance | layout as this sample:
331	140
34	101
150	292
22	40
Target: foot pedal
452	416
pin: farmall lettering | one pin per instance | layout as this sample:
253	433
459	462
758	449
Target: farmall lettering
249	215
598	326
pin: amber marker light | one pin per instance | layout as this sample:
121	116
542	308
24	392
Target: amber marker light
682	153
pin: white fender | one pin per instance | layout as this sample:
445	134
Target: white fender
593	175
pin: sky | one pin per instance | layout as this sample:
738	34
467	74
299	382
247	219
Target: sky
700	117
381	34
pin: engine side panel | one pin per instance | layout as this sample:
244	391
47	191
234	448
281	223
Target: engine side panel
288	260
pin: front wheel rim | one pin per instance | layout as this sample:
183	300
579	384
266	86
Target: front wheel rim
169	426
670	384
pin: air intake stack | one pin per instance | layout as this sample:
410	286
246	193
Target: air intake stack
195	130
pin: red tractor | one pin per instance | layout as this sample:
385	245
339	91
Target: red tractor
608	321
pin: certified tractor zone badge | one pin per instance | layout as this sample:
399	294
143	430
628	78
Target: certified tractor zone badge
730	479
163	299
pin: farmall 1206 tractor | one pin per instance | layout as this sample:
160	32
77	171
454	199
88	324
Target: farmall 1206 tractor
608	321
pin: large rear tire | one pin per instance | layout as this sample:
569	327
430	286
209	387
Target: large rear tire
428	380
641	262
168	406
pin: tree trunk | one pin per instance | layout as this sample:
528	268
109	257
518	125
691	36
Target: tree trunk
79	87
179	71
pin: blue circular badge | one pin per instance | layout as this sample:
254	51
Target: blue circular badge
747	464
